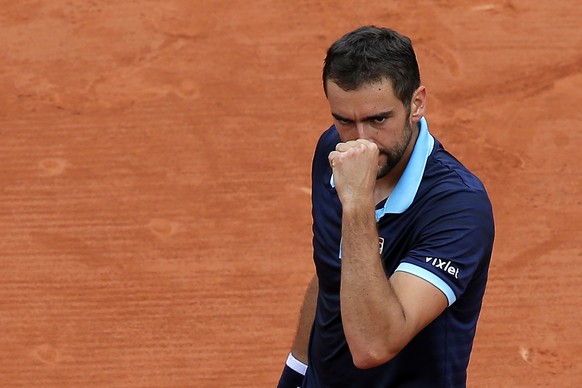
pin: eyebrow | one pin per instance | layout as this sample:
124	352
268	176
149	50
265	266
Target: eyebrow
381	115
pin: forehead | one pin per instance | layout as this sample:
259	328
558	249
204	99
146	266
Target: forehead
367	99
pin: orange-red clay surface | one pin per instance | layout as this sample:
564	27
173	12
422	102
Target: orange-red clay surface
154	168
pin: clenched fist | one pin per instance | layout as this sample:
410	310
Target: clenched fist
355	167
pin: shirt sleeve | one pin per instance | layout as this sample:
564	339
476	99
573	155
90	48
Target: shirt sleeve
455	242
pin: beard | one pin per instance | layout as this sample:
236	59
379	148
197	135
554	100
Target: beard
395	153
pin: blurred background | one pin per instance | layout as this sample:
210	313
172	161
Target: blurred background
155	181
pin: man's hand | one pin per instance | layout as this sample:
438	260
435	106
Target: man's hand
355	167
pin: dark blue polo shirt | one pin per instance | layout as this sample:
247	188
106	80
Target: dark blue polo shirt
438	225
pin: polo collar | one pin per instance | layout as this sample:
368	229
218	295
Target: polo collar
408	184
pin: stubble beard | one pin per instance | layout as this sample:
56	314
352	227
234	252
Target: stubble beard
394	155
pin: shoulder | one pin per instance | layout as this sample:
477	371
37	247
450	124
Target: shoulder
448	189
328	140
444	169
326	143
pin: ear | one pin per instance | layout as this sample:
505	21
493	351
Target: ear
418	104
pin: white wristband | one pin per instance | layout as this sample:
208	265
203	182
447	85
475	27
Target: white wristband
296	365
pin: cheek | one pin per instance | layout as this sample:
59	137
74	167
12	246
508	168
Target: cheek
390	135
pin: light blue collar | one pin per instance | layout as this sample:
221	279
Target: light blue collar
407	186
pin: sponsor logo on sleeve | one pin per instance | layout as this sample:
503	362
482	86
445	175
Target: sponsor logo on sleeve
444	265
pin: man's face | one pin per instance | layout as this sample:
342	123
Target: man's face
374	113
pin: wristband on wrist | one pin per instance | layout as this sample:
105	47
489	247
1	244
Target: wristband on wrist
293	373
296	365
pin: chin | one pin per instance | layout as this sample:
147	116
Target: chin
383	171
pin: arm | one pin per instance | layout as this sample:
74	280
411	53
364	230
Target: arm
306	316
292	375
380	315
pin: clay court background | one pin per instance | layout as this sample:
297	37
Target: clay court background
154	169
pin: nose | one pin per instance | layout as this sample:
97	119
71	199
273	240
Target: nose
363	131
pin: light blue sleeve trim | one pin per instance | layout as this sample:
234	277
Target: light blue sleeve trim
429	277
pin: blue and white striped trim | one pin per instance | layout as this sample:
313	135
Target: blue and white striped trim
429	277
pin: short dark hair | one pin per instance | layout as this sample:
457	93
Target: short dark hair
370	54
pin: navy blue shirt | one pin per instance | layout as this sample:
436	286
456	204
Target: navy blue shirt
438	225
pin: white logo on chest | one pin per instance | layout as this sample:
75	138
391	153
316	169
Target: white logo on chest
381	243
443	265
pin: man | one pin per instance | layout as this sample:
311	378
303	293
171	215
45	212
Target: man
402	233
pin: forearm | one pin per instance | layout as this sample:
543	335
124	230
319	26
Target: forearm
306	316
295	367
373	318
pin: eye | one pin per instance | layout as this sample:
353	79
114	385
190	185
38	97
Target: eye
379	120
343	122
